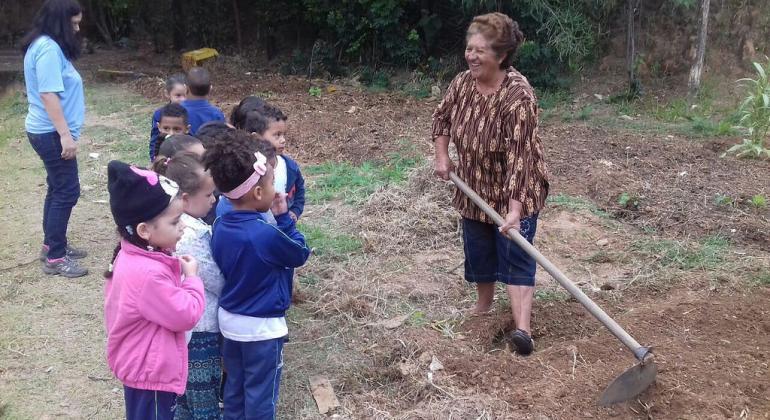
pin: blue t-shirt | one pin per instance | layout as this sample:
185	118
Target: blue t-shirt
199	112
47	70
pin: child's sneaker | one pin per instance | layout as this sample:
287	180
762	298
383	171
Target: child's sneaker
73	253
65	267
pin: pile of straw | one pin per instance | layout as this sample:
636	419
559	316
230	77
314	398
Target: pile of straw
410	217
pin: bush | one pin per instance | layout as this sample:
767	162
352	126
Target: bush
755	115
318	36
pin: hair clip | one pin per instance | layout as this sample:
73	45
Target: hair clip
130	230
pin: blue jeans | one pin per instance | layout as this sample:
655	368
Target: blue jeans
490	256
63	191
143	404
253	378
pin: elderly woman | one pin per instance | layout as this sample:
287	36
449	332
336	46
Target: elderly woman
55	116
490	114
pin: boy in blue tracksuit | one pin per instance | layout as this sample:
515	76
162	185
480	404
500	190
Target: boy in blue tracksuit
295	186
257	260
199	109
269	122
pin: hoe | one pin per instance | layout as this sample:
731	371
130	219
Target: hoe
630	383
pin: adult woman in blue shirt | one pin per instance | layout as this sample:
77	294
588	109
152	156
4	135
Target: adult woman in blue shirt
53	123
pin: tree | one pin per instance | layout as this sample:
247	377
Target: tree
693	86
634	83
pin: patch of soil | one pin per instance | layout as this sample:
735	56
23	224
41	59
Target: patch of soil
676	181
711	350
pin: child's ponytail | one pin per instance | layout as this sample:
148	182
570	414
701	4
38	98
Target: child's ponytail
184	168
240	111
130	236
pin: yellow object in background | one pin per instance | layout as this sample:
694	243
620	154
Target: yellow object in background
197	57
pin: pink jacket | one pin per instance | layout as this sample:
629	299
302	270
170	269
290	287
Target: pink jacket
147	309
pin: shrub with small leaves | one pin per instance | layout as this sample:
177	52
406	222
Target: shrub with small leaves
759	201
629	201
755	115
723	200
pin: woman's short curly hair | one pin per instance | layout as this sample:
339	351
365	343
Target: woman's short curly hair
501	31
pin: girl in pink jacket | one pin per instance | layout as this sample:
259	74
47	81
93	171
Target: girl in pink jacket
151	297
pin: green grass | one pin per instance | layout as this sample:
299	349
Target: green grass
13	109
585	113
353	184
758	201
126	136
308	279
762	279
125	145
549	102
550	99
550	295
707	254
329	244
417	319
419	86
575	203
106	100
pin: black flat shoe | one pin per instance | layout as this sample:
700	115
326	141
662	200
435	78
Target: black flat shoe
523	342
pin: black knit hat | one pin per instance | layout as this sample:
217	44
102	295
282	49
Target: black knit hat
137	195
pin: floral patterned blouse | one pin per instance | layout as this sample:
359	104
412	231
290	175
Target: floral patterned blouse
196	241
500	153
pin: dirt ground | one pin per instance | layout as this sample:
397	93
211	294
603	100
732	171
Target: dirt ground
680	271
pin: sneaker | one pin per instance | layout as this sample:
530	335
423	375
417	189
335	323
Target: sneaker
72	253
523	342
65	267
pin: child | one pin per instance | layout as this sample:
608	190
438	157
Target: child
212	131
151	297
267	149
176	92
173	120
201	400
270	123
240	112
178	143
198	107
258	261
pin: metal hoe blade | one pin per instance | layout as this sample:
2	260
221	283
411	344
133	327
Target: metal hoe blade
630	383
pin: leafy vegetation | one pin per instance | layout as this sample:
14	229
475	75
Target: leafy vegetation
758	201
629	201
755	115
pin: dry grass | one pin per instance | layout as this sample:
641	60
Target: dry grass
414	216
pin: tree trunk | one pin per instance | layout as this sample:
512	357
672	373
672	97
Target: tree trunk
634	85
178	23
693	86
238	35
101	22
